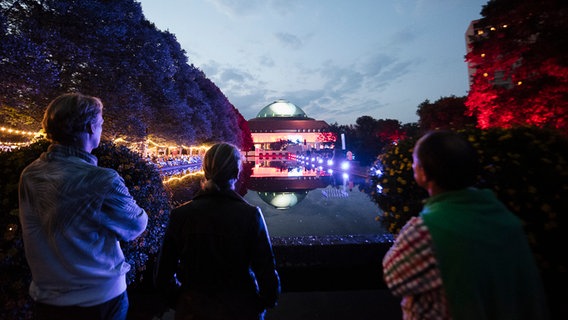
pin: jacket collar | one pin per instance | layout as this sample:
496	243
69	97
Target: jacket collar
229	193
55	151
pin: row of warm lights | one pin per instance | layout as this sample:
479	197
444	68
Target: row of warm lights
30	133
19	132
171	179
204	148
190	174
11	143
480	31
149	141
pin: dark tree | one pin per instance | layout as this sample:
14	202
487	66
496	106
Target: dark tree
411	129
444	113
372	135
26	72
389	130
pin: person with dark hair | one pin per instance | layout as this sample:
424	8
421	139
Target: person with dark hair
216	259
73	215
465	256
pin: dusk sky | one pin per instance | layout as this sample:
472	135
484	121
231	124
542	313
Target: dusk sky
336	59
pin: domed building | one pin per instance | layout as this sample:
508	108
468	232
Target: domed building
282	131
282	128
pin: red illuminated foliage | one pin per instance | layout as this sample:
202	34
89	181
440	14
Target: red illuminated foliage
520	57
326	137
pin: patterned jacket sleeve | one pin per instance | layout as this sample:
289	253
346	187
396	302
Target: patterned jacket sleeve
122	213
409	267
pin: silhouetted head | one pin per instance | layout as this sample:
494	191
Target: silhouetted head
446	158
221	166
71	115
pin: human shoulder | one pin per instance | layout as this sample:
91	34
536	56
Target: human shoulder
184	207
412	225
106	173
414	232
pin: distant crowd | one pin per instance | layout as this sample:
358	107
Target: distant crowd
174	160
176	165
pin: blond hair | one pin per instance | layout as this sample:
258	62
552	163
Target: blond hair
221	166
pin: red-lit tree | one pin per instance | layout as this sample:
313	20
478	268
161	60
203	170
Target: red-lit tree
520	54
326	137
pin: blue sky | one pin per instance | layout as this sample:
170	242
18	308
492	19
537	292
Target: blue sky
336	59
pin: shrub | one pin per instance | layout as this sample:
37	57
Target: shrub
526	167
143	182
183	188
394	189
15	274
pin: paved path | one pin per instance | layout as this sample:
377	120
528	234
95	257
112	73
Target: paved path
319	305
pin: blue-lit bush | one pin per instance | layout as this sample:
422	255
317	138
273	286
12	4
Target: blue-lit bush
143	182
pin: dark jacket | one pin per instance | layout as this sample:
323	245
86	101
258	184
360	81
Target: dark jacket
218	248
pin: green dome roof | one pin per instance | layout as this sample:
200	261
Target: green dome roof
281	109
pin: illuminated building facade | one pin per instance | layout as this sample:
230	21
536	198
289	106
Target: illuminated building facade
479	28
281	128
282	131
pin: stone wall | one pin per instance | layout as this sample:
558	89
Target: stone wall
322	263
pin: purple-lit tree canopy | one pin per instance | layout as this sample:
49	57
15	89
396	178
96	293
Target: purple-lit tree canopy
107	49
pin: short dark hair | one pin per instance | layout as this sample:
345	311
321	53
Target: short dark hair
448	159
68	115
222	164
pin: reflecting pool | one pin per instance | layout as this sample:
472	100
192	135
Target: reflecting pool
310	198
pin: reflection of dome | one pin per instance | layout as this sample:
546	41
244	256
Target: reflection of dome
282	200
281	109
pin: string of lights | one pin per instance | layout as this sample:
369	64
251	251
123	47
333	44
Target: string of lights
27	136
4	129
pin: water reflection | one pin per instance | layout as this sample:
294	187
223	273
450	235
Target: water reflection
310	200
283	183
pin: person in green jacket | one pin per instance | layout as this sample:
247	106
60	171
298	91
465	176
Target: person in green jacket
465	256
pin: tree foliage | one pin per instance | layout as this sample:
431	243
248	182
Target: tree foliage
444	113
372	135
520	54
107	49
368	136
